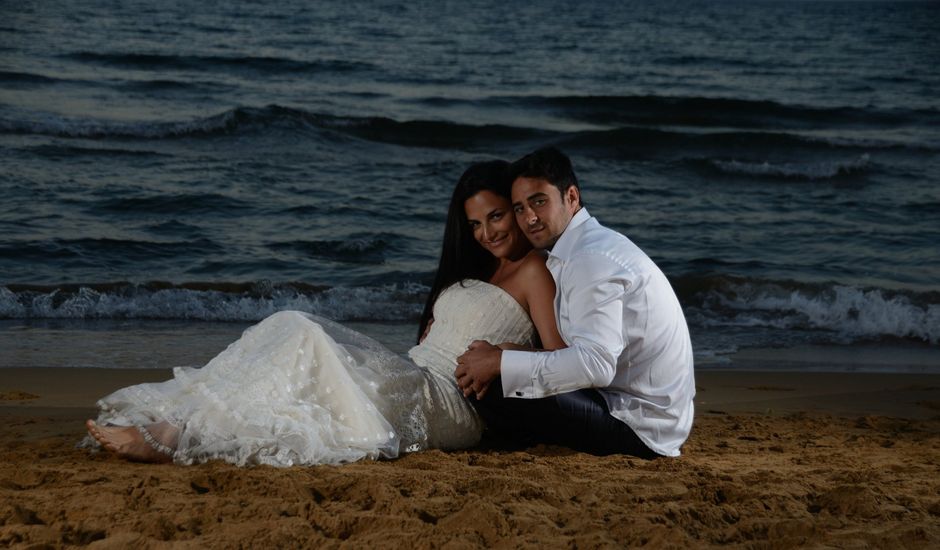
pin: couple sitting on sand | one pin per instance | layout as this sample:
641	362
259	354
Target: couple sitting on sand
541	326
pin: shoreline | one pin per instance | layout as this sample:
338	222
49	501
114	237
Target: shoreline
904	395
154	345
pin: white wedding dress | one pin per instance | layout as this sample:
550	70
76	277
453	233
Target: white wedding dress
299	389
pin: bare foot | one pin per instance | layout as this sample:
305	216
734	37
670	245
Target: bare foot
126	442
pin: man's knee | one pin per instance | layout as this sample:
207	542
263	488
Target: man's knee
591	428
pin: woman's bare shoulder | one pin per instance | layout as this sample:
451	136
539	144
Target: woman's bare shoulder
536	256
534	262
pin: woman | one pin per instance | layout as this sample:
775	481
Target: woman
299	389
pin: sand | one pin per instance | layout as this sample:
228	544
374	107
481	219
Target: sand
775	460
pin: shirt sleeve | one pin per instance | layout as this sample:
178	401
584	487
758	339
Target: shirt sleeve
594	290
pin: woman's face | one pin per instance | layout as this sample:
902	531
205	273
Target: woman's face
493	224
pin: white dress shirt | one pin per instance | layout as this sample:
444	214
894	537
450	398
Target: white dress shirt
625	332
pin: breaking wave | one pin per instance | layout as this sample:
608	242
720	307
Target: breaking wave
798	171
848	313
211	302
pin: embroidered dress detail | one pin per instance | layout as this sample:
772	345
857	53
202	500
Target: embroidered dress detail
154	444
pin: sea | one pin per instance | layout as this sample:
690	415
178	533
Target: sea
172	172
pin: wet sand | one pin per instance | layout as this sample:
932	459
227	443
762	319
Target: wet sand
775	460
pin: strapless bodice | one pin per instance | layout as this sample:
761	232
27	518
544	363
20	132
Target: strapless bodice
467	311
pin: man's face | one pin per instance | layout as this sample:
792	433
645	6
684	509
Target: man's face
541	210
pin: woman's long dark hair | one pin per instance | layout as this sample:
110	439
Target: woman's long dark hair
462	257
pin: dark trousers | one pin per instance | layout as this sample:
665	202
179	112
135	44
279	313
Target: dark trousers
579	420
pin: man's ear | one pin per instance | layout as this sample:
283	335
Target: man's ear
573	196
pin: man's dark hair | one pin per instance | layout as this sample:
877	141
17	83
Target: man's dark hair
549	164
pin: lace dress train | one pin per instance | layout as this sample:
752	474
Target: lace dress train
300	389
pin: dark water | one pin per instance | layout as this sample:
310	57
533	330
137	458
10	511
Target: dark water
176	160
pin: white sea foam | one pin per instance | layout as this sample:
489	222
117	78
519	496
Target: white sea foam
386	303
810	171
851	312
10	307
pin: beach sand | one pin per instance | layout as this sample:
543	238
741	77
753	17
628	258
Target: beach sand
776	459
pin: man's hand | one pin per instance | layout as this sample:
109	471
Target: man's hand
477	368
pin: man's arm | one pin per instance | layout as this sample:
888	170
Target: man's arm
510	346
594	289
480	365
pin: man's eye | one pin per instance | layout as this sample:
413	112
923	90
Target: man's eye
539	202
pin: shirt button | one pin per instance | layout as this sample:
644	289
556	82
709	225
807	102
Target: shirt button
518	394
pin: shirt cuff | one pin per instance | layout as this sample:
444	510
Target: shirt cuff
515	370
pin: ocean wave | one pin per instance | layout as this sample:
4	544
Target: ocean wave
243	120
15	77
19	80
710	61
257	64
797	171
240	120
162	85
365	248
623	142
848	313
639	142
429	133
71	151
211	302
923	208
185	203
656	110
67	127
95	250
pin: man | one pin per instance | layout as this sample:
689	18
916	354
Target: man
625	382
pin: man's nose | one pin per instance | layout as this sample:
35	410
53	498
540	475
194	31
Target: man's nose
530	217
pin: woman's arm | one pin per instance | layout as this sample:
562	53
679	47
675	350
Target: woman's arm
540	297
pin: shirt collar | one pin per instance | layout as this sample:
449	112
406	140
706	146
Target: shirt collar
563	246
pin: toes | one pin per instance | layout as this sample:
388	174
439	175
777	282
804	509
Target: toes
115	440
93	430
100	436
